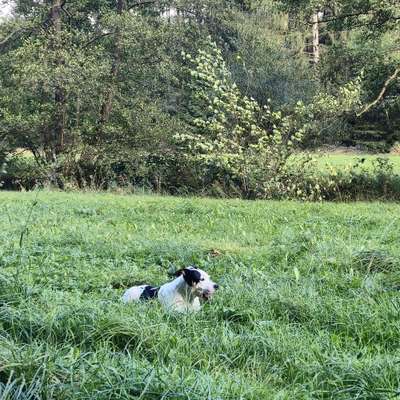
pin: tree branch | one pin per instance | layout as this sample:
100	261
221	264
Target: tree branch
5	41
355	15
344	16
381	93
142	3
29	31
44	25
97	38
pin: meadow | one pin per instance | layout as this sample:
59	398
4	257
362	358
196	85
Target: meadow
308	306
339	161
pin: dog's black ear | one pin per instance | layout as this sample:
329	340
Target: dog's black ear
191	276
179	272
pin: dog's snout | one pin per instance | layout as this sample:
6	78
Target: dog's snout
216	286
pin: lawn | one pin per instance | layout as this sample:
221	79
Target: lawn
308	307
338	161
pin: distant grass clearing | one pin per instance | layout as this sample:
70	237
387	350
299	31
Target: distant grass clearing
343	160
309	306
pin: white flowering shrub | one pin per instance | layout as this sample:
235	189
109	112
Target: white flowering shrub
233	138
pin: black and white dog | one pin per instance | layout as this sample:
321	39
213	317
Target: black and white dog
182	294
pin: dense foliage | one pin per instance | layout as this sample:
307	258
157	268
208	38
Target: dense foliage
193	95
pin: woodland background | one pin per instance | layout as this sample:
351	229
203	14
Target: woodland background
216	97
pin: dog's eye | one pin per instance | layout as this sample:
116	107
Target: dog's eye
202	279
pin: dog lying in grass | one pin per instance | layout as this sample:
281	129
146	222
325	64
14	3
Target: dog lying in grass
183	294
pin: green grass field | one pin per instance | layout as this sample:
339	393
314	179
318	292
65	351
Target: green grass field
339	161
309	306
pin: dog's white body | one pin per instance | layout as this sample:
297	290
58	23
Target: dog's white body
182	294
178	296
133	293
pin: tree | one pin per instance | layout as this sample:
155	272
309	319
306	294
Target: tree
233	140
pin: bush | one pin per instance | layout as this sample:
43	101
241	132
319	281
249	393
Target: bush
234	143
238	147
21	171
358	182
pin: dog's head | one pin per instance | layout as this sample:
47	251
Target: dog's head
199	281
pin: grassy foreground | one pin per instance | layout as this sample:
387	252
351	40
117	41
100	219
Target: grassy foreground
308	307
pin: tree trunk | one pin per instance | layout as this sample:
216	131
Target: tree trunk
58	131
315	38
106	107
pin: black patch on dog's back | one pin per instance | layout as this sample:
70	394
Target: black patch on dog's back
149	292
